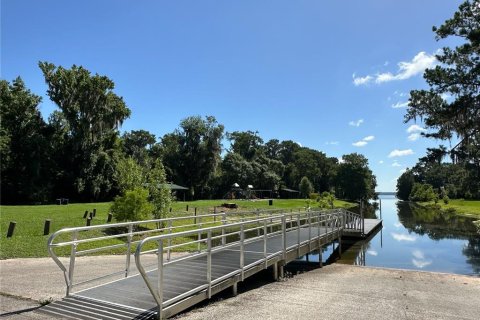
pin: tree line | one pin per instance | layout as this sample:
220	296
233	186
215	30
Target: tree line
449	108
79	153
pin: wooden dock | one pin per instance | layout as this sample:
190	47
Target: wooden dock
230	253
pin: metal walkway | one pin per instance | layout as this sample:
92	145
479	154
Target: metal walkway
223	249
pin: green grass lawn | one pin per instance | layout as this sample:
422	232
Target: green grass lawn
463	207
466	207
28	239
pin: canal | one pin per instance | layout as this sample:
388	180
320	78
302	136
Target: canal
415	238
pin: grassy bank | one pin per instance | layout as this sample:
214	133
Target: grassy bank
28	239
464	207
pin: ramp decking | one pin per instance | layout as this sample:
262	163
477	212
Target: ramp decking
181	283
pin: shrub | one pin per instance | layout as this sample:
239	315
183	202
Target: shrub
446	199
423	192
133	205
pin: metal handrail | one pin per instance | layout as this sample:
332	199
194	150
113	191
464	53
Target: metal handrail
223	218
334	219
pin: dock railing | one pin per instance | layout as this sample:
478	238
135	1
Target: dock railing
122	238
220	238
192	235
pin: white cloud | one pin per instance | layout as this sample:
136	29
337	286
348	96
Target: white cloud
400	153
334	143
406	70
356	123
418	254
372	253
397	224
446	97
340	160
403	237
360	143
409	69
363	142
419	260
415	128
403	170
358	81
414	136
396	164
421	263
381	161
400	105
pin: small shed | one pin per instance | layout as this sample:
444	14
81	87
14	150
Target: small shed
175	187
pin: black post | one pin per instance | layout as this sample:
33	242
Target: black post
85	214
91	215
11	228
89	220
195	220
109	219
170	209
94	212
187	207
46	227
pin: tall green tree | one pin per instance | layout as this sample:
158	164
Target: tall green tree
92	113
457	77
24	147
305	187
160	195
405	184
192	153
137	144
355	180
245	143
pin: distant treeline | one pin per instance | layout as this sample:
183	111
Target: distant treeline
77	152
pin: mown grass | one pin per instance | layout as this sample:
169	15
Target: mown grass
466	207
463	207
28	239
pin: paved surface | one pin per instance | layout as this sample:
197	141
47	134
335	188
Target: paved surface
333	292
351	292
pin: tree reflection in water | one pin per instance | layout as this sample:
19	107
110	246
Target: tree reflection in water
440	224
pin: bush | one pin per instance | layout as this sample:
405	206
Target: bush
446	199
314	196
133	205
423	192
325	201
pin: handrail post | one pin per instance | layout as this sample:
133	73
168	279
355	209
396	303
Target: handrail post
284	237
199	239
298	234
160	278
129	249
224	221
71	266
309	232
209	263
265	238
242	250
169	241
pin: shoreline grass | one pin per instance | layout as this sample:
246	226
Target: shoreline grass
470	208
28	239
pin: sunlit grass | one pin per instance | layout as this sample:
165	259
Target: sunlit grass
28	239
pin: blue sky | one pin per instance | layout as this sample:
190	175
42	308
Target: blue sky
333	76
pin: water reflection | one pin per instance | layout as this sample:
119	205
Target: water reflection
418	238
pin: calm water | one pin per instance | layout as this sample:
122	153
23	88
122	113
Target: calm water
418	239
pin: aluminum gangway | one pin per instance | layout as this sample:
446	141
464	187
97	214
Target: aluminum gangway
181	261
